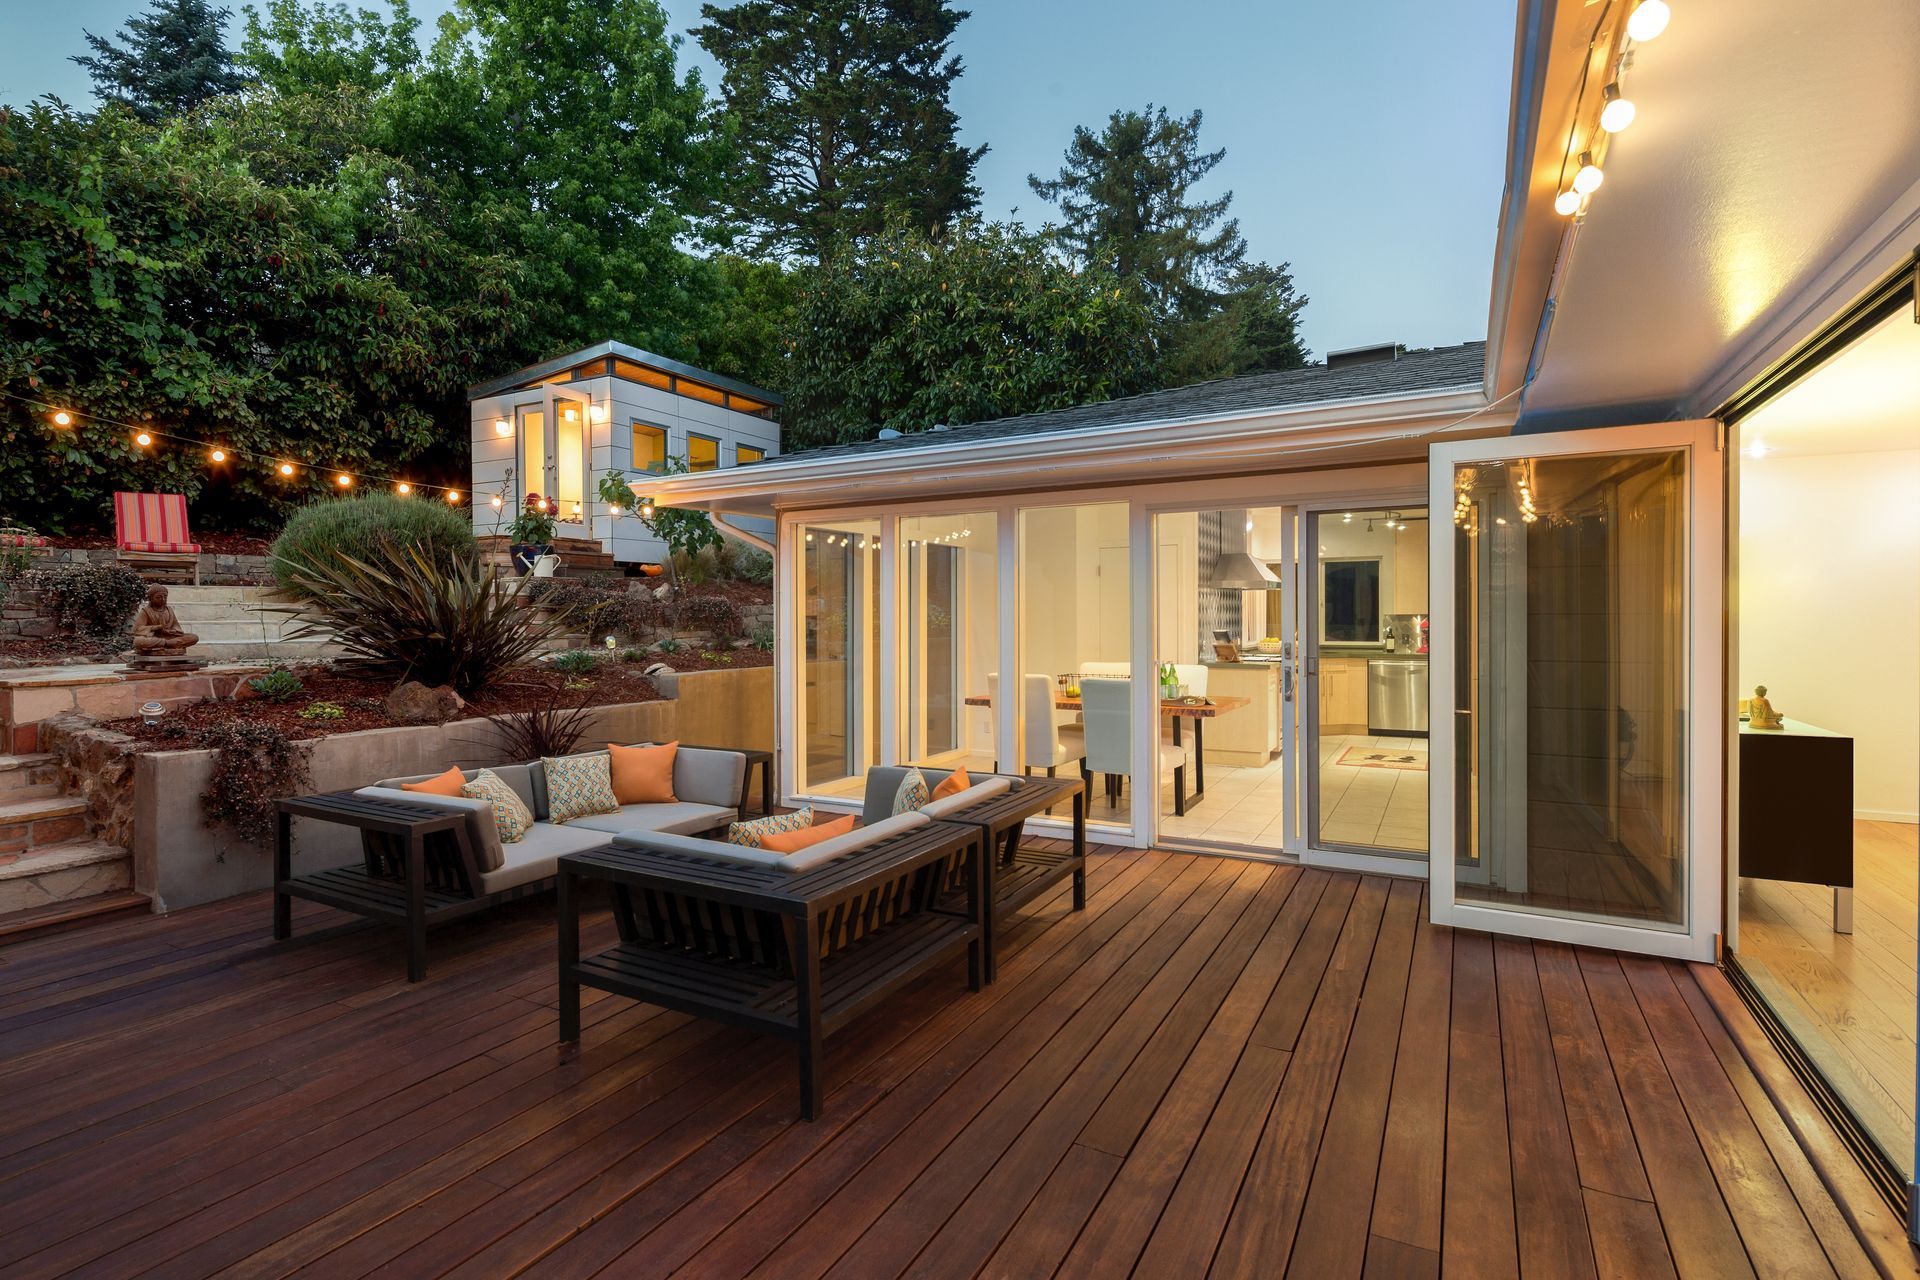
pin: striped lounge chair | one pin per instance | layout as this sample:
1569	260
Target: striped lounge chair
150	530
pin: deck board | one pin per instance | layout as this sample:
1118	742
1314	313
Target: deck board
1219	1067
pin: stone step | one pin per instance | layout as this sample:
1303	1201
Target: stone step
256	649
57	917
65	872
35	823
28	777
237	596
229	629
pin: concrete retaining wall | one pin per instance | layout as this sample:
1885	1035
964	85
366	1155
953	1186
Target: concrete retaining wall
180	862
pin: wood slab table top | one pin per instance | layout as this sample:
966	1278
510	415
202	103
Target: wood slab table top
1213	707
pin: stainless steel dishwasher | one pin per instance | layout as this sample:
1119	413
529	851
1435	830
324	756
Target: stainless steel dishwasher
1397	697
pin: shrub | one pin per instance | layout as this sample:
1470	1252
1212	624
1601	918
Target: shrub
669	645
373	527
323	711
601	611
278	685
754	565
435	621
551	730
93	600
254	765
577	662
763	637
715	615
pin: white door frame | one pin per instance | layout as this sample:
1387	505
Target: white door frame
1705	753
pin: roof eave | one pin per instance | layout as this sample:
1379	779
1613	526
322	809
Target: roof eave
559	364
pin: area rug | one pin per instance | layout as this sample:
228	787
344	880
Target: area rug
1410	759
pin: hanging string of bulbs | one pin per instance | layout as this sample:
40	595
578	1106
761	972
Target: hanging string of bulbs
145	437
1647	20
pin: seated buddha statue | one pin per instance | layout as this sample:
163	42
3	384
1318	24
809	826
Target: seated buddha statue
156	628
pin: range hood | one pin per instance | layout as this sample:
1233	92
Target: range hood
1234	569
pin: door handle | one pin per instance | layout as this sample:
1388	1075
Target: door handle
1286	683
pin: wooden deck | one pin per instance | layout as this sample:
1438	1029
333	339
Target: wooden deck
1219	1068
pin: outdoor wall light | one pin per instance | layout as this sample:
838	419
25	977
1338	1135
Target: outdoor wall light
1588	180
1619	111
1648	19
597	412
150	713
501	427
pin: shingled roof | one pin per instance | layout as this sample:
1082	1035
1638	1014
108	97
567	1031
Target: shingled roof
1416	371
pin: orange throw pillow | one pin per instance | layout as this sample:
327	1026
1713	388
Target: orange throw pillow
952	785
642	775
795	841
446	784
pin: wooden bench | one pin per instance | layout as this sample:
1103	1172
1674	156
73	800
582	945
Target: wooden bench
797	954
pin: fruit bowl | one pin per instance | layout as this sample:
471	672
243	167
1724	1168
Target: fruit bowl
1269	645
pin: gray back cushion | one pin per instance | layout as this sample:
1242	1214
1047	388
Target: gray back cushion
883	784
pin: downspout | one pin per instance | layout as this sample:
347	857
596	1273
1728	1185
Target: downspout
1537	355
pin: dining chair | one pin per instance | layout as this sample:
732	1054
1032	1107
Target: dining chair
1049	743
1108	706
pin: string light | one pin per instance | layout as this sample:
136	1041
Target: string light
61	418
218	455
1619	111
403	488
285	468
496	502
576	508
1648	19
1588	179
344	480
1567	203
143	439
540	504
453	496
646	509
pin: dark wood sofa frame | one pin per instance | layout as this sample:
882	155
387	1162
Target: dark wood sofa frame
796	954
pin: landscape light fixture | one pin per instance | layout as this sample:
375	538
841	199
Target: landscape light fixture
150	713
1648	19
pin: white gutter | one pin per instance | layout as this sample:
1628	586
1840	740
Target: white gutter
1181	444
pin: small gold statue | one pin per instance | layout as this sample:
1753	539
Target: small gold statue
1760	712
156	628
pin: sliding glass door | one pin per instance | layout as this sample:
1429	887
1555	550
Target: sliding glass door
1576	750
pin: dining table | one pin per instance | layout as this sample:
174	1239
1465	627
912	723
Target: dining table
1197	709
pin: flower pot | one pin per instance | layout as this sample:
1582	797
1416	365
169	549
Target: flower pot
525	553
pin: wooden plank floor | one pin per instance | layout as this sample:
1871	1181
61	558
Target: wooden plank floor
1220	1068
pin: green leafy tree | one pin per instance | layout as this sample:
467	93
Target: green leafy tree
566	137
1127	204
841	115
742	335
910	330
168	60
295	48
154	277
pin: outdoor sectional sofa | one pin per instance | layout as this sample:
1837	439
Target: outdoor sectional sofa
428	859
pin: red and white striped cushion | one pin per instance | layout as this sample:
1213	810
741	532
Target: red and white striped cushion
152	522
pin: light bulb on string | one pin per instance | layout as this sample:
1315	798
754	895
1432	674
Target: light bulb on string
285	469
62	418
403	488
496	502
344	480
1588	179
218	455
453	496
143	439
1567	203
1648	19
1619	111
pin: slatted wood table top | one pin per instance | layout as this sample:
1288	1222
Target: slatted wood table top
1216	705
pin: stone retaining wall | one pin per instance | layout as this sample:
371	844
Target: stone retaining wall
215	570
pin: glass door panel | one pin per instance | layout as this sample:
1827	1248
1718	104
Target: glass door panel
1576	795
950	636
533	457
1366	697
568	476
838	680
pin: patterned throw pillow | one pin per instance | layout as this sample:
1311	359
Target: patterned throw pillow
578	786
749	833
912	794
511	817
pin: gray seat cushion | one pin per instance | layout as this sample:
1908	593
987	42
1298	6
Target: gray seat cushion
532	857
482	833
681	817
805	860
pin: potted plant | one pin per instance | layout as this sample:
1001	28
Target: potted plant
530	536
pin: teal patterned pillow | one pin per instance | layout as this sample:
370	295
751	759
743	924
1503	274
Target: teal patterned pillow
912	794
749	833
578	786
511	817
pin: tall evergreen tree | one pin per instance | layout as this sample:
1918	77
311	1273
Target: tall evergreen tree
169	60
841	114
1127	204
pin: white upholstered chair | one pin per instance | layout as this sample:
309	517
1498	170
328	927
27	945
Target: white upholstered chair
1109	711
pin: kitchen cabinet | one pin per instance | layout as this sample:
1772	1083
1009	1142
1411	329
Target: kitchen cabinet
1343	695
1409	593
1249	736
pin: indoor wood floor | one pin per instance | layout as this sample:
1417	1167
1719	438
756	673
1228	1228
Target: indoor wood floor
1848	997
1220	1067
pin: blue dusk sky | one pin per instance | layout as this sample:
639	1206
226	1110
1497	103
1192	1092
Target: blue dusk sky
1364	140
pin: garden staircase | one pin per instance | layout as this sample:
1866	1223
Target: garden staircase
53	874
238	624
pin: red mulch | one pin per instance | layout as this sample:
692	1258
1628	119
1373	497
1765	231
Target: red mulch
364	703
49	652
221	544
